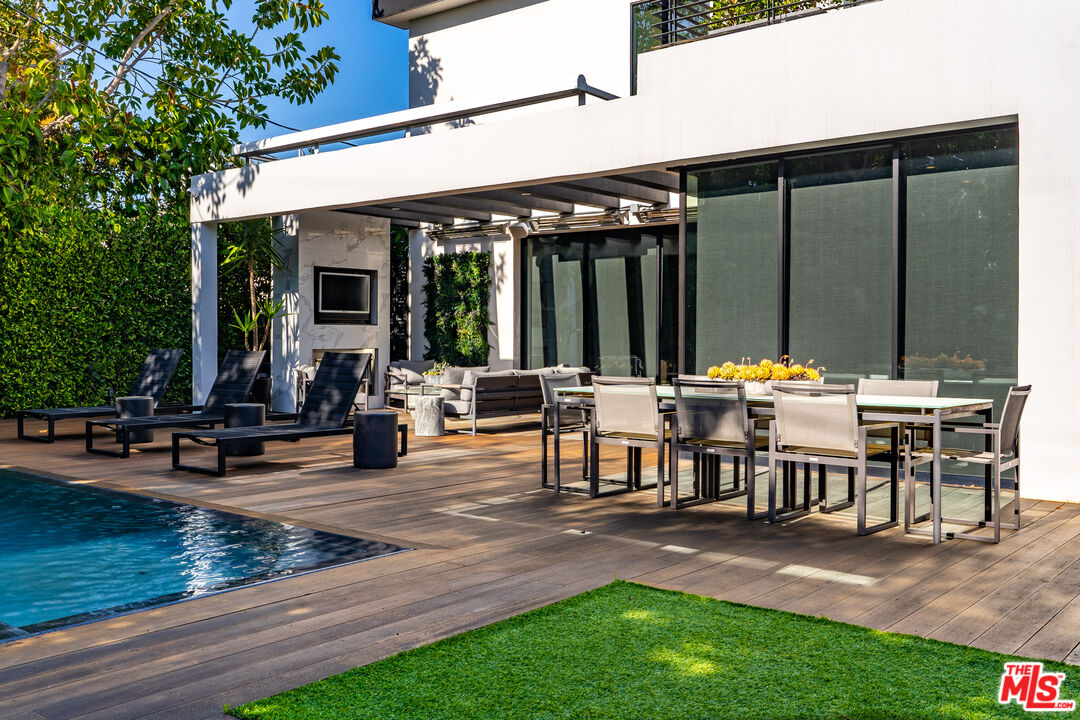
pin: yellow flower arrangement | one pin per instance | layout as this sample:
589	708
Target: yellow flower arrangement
779	370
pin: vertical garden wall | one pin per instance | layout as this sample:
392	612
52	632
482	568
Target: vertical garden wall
458	289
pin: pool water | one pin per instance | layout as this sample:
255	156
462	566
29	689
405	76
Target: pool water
70	554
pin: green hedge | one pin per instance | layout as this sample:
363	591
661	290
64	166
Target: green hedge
82	299
458	289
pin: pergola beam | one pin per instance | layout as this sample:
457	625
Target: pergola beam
655	179
398	214
514	198
605	201
439	208
618	188
478	204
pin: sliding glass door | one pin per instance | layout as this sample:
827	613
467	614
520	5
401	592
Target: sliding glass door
602	299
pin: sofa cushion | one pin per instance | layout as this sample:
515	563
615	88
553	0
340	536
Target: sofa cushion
470	379
411	370
567	370
456	376
456	407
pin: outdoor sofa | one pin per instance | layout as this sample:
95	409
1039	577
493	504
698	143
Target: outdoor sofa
486	394
153	378
233	385
329	400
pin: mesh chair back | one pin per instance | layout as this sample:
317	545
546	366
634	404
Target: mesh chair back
711	410
1009	429
548	384
333	391
625	405
234	380
908	388
156	372
824	417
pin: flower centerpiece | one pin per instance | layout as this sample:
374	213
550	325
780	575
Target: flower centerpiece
434	376
759	378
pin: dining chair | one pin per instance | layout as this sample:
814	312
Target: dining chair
1003	454
712	422
819	425
910	436
572	418
905	388
626	413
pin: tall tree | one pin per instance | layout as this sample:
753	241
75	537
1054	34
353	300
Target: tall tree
135	97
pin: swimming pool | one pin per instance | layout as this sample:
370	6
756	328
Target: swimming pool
71	554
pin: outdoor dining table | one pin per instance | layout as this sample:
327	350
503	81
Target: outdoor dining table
931	412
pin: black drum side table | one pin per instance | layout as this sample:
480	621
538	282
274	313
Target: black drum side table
130	406
245	415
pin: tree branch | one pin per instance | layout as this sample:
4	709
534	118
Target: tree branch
125	65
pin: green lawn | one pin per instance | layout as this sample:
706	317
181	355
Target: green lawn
630	651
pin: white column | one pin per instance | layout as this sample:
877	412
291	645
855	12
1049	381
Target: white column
204	307
505	331
420	248
285	341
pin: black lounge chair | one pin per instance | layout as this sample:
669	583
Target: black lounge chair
331	396
233	385
154	376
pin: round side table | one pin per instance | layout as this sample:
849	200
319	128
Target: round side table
131	406
429	416
245	415
375	439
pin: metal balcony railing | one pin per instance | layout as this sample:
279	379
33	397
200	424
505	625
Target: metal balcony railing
662	23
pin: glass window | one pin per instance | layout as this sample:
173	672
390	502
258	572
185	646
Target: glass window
555	331
731	265
840	305
961	275
592	300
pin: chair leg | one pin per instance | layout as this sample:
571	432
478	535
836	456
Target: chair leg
660	475
860	496
772	491
544	448
594	467
673	473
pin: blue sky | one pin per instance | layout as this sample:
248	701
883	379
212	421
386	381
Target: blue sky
373	73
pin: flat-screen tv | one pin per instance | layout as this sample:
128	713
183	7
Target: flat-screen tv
344	293
343	296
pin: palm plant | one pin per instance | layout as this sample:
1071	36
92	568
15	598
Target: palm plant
251	248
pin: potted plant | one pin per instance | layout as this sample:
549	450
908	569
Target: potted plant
434	376
760	377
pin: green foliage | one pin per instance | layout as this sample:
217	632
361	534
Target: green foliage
457	289
249	249
631	651
399	293
139	96
83	297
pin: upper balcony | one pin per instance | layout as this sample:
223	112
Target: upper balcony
400	13
662	23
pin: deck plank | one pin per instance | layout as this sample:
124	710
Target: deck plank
489	545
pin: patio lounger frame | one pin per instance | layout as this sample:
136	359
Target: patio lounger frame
233	385
225	438
326	409
154	376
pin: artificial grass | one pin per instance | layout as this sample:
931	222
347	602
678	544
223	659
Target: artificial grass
631	651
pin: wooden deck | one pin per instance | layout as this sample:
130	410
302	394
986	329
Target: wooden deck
490	544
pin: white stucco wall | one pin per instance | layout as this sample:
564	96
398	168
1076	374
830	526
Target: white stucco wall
881	70
332	239
495	47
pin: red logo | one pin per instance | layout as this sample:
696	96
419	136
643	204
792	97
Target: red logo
1032	689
